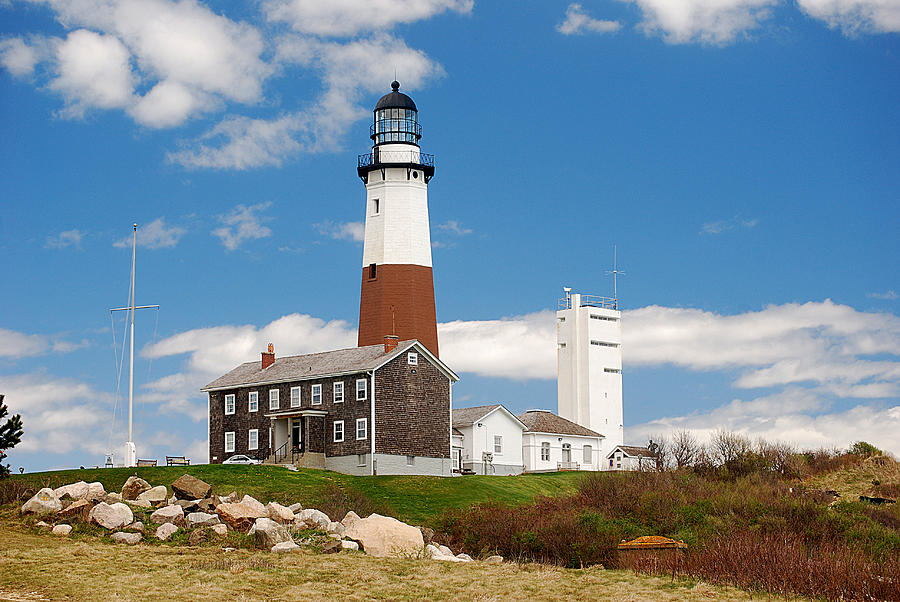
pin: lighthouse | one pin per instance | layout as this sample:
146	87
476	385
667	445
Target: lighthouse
397	294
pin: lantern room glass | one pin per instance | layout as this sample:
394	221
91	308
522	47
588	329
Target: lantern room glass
396	125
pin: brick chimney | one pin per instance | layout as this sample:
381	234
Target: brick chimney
268	356
390	342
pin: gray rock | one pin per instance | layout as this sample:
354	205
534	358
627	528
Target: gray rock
349	545
168	514
43	502
494	559
74	491
295	508
335	528
314	518
165	531
188	487
155	496
111	516
220	529
202	519
136	526
112	498
285	546
123	537
267	533
62	530
133	487
255	504
427	534
386	536
96	492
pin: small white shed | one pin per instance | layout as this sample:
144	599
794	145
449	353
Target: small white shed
489	439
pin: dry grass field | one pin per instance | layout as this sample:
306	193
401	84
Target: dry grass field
39	566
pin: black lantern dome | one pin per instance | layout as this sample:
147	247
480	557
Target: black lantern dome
396	119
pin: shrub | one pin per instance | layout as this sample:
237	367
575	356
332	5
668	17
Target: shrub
864	449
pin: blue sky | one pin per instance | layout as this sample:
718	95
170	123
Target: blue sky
743	158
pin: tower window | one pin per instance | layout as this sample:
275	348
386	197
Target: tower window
372	271
376	206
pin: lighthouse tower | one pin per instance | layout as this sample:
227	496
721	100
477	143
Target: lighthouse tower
397	296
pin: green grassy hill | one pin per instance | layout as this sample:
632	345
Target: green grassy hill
413	499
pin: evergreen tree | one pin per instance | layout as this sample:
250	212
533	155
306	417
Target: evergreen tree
10	435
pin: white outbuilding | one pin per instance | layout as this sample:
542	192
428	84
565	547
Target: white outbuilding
630	457
553	443
488	439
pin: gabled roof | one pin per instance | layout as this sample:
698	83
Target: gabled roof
318	365
545	421
633	451
463	417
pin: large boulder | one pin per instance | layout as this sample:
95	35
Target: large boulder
43	502
202	519
74	491
133	487
165	531
155	496
314	518
96	492
111	516
435	553
168	514
385	536
350	518
123	537
188	487
266	533
279	513
77	510
239	516
255	504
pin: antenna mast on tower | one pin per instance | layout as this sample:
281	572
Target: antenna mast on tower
615	272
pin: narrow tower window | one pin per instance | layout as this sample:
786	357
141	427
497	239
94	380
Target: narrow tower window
372	271
376	206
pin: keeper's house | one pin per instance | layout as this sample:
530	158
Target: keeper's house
377	409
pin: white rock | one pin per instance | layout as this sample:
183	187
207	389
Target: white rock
350	518
169	514
279	513
349	545
138	503
136	526
285	546
165	531
96	492
202	519
335	528
62	530
133	487
446	551
43	502
386	536
494	559
464	557
255	504
435	553
314	518
76	491
220	529
111	516
266	533
154	496
129	538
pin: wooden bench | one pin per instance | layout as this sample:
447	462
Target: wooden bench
177	461
146	462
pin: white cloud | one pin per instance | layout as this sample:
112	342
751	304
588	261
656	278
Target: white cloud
455	227
710	22
155	235
855	16
579	22
15	344
243	223
720	226
348	17
67	238
18	57
355	231
888	295
94	72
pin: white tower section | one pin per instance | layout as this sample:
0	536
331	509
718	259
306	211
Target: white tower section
589	366
397	230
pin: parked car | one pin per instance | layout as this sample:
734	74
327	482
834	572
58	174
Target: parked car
241	459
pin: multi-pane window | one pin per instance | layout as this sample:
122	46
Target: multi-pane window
361	387
588	454
498	444
253	401
316	394
229	442
338	431
338	392
412	358
229	404
253	439
545	451
295	397
362	429
273	399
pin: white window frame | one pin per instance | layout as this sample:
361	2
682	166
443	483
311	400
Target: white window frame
412	358
364	423
362	390
231	449
253	401
316	391
253	434
295	403
498	444
334	431
338	390
545	447
274	401
229	399
361	460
